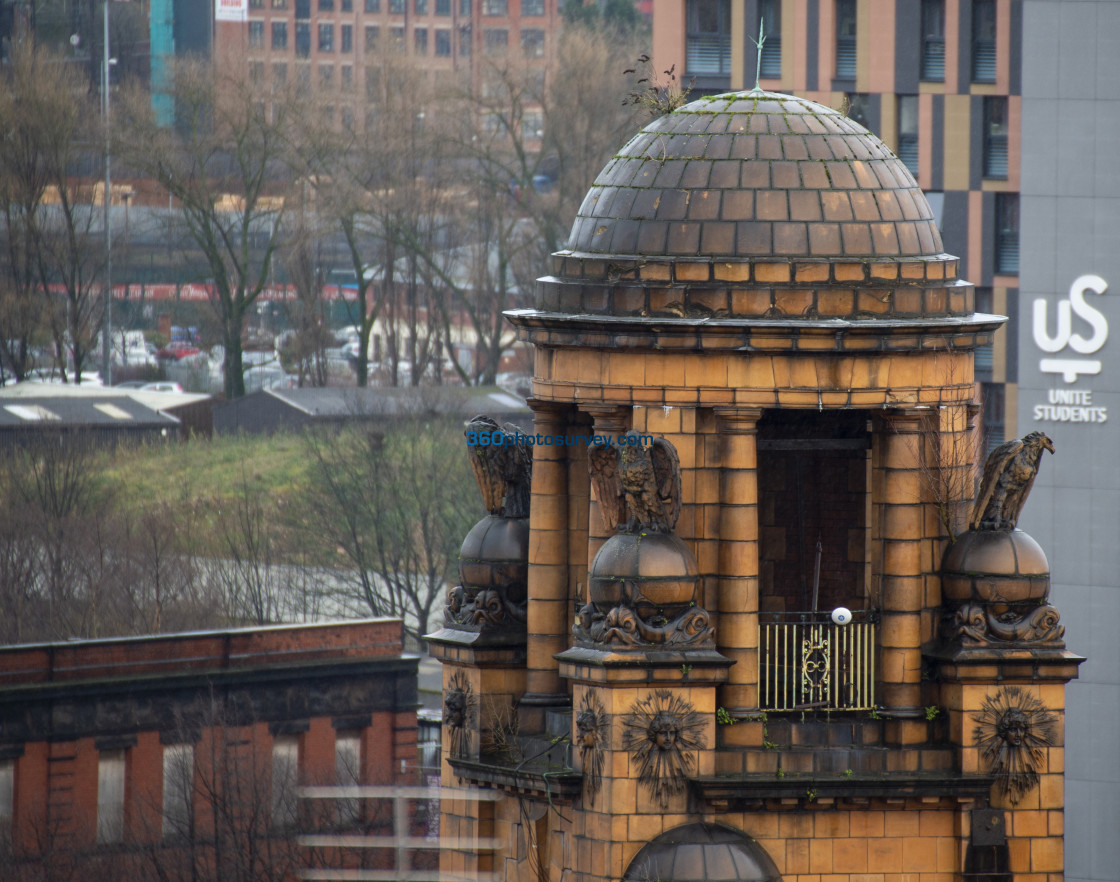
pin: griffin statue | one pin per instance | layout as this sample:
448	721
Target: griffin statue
639	488
1008	475
502	468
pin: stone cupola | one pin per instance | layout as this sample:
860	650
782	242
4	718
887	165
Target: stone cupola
753	396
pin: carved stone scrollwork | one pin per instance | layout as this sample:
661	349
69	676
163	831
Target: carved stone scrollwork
662	732
592	735
975	623
621	625
1013	730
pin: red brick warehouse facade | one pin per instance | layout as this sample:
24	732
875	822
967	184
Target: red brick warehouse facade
179	755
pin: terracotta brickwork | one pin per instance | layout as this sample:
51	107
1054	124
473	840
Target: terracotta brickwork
783	387
228	696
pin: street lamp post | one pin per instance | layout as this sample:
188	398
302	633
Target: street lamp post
107	320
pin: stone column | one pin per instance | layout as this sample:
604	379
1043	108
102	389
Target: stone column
900	488
737	621
609	421
549	604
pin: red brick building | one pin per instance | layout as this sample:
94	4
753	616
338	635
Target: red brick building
179	755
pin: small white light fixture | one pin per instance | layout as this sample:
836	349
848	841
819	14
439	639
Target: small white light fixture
841	615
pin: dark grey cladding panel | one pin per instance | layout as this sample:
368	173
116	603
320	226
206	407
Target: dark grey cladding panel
173	705
908	48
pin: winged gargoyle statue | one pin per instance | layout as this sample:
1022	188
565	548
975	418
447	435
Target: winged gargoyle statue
1008	475
639	487
503	468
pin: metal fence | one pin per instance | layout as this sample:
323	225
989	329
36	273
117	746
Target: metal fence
808	662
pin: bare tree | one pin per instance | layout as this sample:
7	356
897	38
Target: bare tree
227	162
53	236
397	508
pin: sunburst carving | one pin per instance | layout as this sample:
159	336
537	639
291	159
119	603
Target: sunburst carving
662	731
1013	730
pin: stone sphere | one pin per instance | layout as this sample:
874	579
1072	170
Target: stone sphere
495	555
653	573
996	567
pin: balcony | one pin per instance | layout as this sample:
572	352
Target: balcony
806	662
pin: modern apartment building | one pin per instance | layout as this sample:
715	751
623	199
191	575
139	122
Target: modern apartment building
938	80
342	44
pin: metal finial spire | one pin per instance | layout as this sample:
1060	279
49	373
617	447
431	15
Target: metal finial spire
758	62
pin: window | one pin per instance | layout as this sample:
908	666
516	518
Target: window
256	71
303	9
443	43
348	118
933	40
303	39
373	37
770	12
443	7
465	7
347	78
1007	233
373	5
373	83
348	772
532	125
845	39
532	7
326	75
420	41
347	38
347	5
326	38
280	74
396	6
908	132
279	4
256	35
421	7
497	39
984	355
326	5
495	7
279	35
858	106
995	137
7	799
993	415
285	780
396	37
708	37
983	41
178	787
256	4
110	797
465	37
532	42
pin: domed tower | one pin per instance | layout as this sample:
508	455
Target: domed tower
754	439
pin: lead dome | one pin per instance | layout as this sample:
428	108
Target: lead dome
755	205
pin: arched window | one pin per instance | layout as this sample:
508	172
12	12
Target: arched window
702	853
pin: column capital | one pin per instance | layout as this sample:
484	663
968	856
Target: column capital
609	418
742	420
906	419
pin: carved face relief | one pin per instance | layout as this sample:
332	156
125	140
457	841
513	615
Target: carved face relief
592	731
1013	730
458	709
662	731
